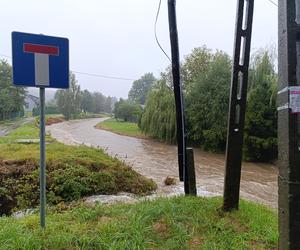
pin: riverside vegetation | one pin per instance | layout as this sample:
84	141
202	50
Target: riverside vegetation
121	127
72	172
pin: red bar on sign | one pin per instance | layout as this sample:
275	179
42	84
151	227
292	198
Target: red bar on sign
42	49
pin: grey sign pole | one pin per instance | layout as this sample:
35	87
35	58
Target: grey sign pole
42	160
289	124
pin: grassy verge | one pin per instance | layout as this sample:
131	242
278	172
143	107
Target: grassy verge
9	122
121	128
72	172
176	223
90	115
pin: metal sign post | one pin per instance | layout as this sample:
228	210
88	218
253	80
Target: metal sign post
42	160
289	123
43	62
237	106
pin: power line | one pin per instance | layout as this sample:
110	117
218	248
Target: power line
155	31
272	2
104	76
91	74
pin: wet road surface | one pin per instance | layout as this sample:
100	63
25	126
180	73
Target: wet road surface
158	160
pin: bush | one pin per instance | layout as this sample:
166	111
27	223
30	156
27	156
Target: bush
72	173
49	110
260	142
128	111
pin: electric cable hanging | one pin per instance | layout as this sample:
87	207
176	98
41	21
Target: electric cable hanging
272	2
90	74
155	31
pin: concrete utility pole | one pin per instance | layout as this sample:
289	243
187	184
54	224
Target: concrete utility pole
237	108
289	123
185	156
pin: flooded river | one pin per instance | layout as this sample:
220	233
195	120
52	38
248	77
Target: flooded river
158	160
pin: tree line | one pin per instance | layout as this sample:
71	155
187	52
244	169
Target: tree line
69	102
11	98
74	101
206	77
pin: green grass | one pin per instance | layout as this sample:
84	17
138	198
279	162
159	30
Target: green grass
28	131
176	223
72	172
122	128
9	122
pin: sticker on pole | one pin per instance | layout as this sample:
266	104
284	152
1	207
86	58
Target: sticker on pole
40	61
294	99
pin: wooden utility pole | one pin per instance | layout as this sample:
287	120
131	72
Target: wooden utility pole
289	123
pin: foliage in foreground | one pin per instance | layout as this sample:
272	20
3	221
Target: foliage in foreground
261	116
176	223
206	77
72	172
121	127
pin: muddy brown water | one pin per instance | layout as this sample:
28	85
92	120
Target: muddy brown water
158	160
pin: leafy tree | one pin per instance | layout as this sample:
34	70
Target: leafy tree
86	101
127	110
207	103
11	97
260	142
195	65
68	100
140	88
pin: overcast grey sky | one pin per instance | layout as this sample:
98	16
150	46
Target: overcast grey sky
116	37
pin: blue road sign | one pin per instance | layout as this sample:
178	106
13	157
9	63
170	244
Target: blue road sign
40	61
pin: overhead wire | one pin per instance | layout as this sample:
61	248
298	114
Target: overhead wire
155	32
91	74
272	2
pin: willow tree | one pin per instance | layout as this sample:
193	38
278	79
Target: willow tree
159	117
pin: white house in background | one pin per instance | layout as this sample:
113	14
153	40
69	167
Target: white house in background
30	102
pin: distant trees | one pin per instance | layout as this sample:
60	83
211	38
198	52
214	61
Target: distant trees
86	101
140	88
69	100
127	110
73	101
11	98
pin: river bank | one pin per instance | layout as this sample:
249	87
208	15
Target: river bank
158	160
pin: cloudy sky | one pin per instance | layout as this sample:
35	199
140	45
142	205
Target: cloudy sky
116	37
